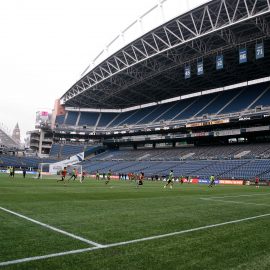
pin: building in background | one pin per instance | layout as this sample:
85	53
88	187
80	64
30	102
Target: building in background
16	134
40	139
7	143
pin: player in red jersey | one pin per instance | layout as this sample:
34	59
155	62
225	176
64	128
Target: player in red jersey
83	175
63	174
257	180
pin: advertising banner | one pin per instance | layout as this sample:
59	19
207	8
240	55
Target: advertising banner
261	183
207	181
231	182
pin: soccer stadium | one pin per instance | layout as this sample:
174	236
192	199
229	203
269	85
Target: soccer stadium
158	157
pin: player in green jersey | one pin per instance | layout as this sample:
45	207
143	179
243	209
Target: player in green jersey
212	181
170	180
109	174
97	175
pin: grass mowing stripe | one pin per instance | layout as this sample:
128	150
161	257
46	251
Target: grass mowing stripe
225	201
129	242
53	228
186	231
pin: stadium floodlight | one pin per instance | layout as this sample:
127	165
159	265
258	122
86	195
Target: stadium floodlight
51	171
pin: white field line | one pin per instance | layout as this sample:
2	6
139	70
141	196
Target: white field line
237	202
131	241
36	258
53	228
236	196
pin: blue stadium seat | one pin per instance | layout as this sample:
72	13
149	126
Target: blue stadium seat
69	149
71	118
121	118
60	119
243	100
55	150
106	118
88	118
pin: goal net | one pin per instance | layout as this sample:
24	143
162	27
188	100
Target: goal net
53	171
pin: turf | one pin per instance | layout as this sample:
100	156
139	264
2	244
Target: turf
121	212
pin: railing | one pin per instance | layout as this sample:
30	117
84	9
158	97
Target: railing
177	123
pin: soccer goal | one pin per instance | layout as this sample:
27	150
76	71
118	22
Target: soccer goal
53	171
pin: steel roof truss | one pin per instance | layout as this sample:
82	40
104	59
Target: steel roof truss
93	80
107	71
148	44
252	11
235	10
155	42
172	33
126	59
187	28
137	49
209	18
89	83
121	61
246	8
134	53
195	27
180	30
116	62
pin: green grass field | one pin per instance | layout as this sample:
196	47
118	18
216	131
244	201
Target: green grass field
116	214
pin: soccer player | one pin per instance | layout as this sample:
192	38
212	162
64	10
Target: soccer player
74	175
212	181
63	173
97	175
10	171
83	175
24	172
39	173
140	180
181	179
109	174
170	180
132	177
257	180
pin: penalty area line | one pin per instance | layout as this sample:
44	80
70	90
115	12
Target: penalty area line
130	241
52	228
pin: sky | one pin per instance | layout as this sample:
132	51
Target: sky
47	44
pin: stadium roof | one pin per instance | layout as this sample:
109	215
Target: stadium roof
151	68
